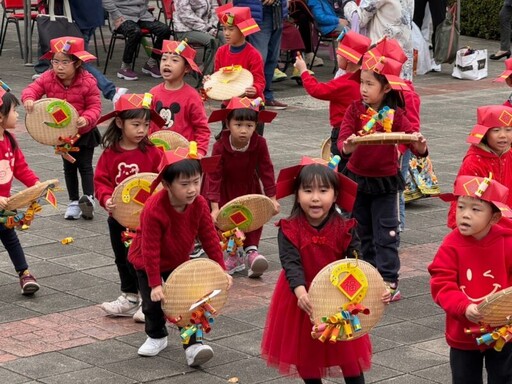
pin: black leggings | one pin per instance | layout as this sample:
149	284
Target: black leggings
348	380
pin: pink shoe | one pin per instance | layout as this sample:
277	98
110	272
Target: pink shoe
393	289
257	263
234	264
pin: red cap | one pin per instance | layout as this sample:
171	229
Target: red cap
482	188
352	46
239	17
243	103
69	45
387	59
508	71
208	164
134	101
182	49
286	182
489	116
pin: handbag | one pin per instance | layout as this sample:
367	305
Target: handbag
470	64
52	26
447	38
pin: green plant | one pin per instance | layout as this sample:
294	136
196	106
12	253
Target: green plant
480	18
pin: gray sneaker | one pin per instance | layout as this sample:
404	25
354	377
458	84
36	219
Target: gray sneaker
73	211
86	204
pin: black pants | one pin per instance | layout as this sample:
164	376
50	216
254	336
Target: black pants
437	10
377	218
155	317
348	380
12	245
467	366
126	271
131	30
83	164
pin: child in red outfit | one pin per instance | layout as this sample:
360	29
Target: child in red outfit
489	152
68	81
178	103
473	261
343	90
170	221
128	151
245	163
13	165
375	168
287	343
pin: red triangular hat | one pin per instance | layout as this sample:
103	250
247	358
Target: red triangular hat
485	189
239	17
182	49
69	45
243	103
286	182
208	164
352	46
134	101
487	117
508	71
4	88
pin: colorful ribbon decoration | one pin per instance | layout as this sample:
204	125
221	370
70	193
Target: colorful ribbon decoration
13	219
67	146
495	338
232	240
127	237
343	323
385	117
201	320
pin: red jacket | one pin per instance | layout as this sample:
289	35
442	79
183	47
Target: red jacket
464	271
479	161
340	93
115	166
249	58
83	94
373	160
166	236
240	173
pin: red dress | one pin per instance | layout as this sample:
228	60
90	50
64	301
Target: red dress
287	343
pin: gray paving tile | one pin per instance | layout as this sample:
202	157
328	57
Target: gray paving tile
252	370
84	261
410	359
88	376
71	281
102	353
56	302
438	374
407	333
248	343
45	365
12	378
147	368
11	312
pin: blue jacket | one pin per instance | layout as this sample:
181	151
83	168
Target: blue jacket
326	19
257	8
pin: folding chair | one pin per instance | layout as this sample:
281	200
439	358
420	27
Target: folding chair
13	13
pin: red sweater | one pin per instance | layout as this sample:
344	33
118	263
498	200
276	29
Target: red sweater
340	93
166	236
464	271
249	58
12	166
479	161
113	167
183	111
83	94
373	160
239	173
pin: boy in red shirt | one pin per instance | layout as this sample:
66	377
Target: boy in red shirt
473	261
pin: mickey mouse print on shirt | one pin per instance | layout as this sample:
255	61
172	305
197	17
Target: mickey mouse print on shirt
167	113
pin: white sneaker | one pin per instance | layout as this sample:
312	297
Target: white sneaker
198	354
73	211
152	347
124	305
87	205
318	62
119	92
139	317
435	67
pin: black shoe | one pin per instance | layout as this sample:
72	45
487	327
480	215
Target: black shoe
497	57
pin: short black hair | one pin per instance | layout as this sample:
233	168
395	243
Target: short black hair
186	167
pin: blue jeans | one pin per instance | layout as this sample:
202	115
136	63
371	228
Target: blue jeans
406	157
268	43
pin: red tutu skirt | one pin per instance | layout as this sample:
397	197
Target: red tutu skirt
287	343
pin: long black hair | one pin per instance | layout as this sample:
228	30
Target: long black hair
113	134
313	174
393	99
9	101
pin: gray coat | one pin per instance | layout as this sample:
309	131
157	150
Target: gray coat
134	10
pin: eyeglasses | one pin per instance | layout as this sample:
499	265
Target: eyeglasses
64	63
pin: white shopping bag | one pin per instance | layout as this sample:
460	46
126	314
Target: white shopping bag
470	64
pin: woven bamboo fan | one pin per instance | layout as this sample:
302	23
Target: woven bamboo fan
130	196
228	82
190	282
51	119
327	298
326	149
386	138
496	308
24	198
248	213
168	140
